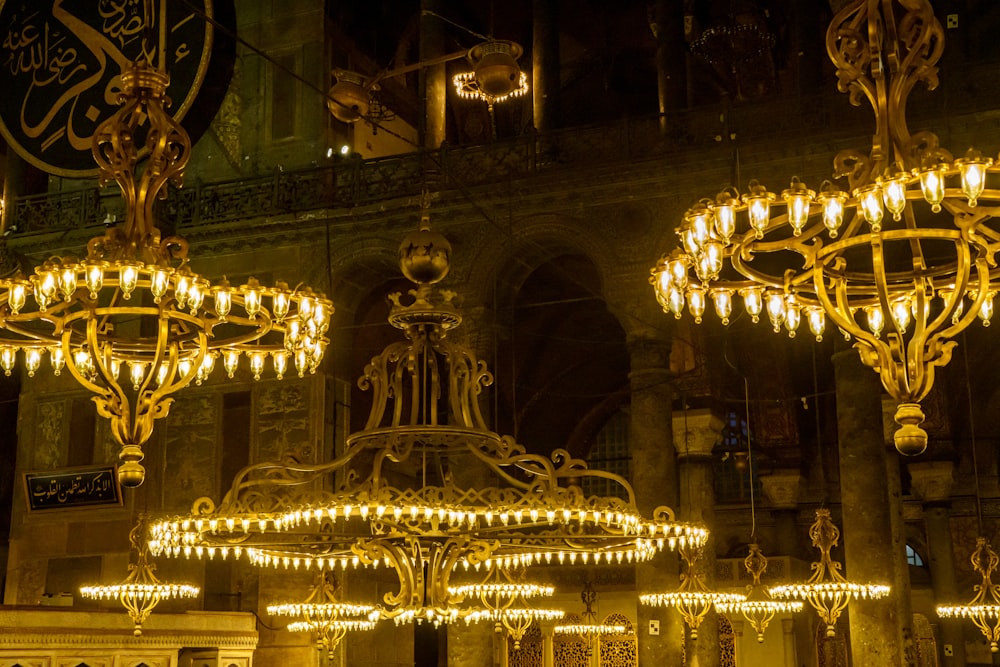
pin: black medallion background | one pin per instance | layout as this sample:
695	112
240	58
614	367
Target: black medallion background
61	64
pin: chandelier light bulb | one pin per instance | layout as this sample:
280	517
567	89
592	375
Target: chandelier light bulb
870	202
793	314
972	169
901	309
758	203
776	309
932	186
17	297
894	195
724	214
753	302
986	310
817	322
798	198
876	319
722	299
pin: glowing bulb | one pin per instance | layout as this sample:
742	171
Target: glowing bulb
56	359
32	360
753	302
776	309
128	276
223	301
230	361
832	201
280	358
758	203
797	198
257	363
136	371
16	297
870	201
723	301
724	213
8	358
972	169
696	302
876	319
901	313
894	195
279	304
932	186
67	282
986	310
817	321
251	298
792	314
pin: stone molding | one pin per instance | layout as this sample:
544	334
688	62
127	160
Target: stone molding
702	433
783	488
932	480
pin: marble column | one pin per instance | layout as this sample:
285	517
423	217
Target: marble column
894	492
545	64
870	558
671	54
433	79
695	435
654	478
932	481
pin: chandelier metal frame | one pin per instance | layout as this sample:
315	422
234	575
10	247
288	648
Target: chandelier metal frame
692	599
134	307
984	608
827	590
323	614
141	591
516	509
901	261
759	607
502	599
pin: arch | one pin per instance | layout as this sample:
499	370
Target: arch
621	650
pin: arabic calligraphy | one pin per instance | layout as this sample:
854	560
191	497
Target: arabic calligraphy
77	488
60	67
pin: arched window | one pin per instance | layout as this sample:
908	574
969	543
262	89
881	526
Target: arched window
610	452
913	558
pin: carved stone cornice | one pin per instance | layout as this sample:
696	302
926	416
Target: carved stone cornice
782	488
696	432
932	480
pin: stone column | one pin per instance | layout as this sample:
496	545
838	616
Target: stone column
695	435
433	79
869	556
788	642
781	489
654	478
894	492
671	54
932	481
545	73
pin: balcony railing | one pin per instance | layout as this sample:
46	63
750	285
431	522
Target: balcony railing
353	182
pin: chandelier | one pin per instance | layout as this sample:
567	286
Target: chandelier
984	608
503	601
759	607
140	591
321	613
692	599
827	590
588	627
496	76
393	498
131	321
901	259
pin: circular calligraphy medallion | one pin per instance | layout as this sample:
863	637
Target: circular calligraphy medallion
61	64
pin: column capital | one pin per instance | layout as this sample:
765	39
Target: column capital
696	432
932	480
782	488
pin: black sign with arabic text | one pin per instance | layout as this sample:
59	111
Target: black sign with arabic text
61	64
72	487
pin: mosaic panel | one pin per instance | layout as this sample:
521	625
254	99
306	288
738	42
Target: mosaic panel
283	424
727	643
190	449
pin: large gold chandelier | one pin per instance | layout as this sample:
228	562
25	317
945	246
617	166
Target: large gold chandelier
827	590
394	497
141	590
901	260
131	321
